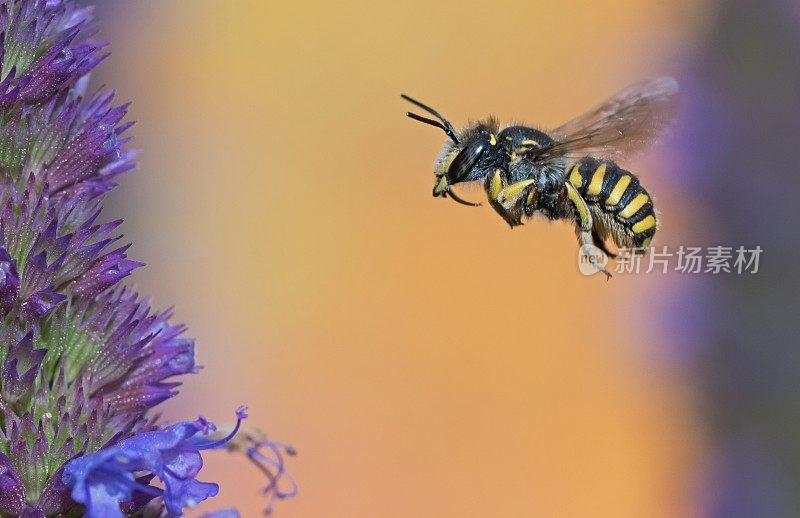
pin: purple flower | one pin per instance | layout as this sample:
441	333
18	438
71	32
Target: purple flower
83	359
103	480
12	492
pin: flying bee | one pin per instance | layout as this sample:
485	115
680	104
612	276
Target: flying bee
568	173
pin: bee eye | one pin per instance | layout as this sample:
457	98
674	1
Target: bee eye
466	160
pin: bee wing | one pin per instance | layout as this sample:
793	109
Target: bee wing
620	127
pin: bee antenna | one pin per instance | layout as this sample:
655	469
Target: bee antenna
443	125
432	123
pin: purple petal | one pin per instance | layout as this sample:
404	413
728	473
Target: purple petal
12	492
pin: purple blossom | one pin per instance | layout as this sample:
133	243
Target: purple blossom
12	492
104	479
83	358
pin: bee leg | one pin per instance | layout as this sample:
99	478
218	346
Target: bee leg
494	185
584	225
511	195
509	200
600	242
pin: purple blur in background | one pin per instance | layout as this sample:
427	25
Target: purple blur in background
738	146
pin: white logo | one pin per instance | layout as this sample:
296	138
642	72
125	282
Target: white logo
590	259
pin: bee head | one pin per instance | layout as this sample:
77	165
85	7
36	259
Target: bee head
463	156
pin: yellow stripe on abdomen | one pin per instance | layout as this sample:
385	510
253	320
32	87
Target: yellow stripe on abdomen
646	224
597	181
618	190
634	205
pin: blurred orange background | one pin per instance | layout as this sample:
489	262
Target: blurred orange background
424	359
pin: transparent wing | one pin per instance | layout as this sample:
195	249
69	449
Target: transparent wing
620	127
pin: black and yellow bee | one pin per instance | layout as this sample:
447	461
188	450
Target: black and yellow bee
568	173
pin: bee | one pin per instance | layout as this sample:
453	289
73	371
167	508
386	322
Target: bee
569	173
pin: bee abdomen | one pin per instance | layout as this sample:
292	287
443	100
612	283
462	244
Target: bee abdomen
618	202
